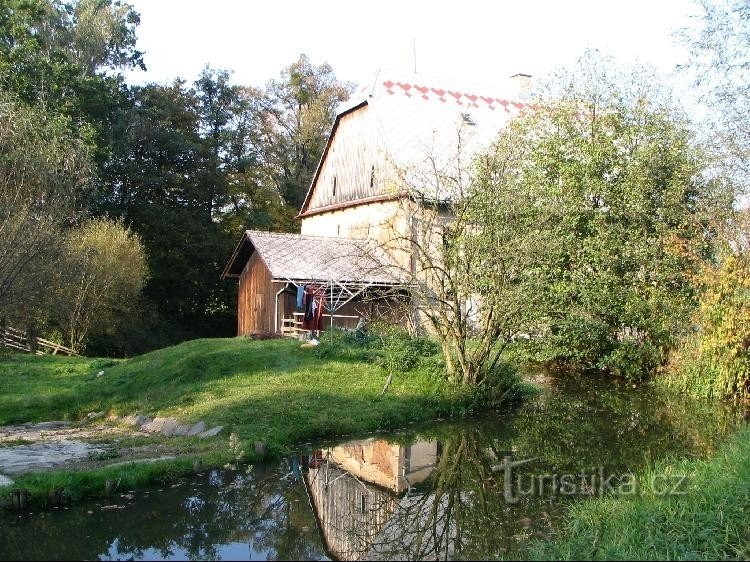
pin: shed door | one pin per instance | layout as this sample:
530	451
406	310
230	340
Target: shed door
260	319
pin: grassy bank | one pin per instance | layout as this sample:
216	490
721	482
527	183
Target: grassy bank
272	391
711	520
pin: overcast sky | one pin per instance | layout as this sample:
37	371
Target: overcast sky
473	41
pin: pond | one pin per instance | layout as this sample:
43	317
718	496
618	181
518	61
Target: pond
474	488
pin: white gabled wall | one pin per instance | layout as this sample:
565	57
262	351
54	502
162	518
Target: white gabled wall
357	165
360	222
384	222
353	166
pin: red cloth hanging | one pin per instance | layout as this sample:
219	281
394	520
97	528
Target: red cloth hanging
308	318
318	320
313	318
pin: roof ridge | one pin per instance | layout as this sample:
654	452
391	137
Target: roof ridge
429	91
298	235
429	87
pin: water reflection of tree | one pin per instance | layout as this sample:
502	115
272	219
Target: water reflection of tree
458	513
441	521
461	511
268	514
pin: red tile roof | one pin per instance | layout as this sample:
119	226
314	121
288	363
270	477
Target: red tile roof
459	97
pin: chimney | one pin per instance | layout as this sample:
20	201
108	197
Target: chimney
522	83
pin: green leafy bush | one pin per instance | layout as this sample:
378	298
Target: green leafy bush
714	361
632	360
502	387
581	344
575	340
401	352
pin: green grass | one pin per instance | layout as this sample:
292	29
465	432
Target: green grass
272	391
710	521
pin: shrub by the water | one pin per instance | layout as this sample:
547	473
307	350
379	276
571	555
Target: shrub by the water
714	361
402	352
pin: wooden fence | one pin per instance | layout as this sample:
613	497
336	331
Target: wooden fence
19	340
292	326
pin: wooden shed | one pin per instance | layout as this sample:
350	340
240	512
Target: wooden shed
355	277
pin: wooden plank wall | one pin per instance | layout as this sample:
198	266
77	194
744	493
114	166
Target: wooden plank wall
255	299
354	154
350	512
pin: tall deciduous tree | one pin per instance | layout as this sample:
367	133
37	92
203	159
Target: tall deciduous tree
301	109
157	184
103	36
464	244
635	218
59	52
720	62
44	173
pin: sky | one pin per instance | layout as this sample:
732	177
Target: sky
480	42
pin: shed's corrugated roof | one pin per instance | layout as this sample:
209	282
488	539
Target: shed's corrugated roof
423	120
297	257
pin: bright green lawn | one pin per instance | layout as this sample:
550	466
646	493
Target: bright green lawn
710	521
272	390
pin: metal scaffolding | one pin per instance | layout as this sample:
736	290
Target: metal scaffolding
337	293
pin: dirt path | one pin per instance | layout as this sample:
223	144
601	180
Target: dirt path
29	447
93	443
58	430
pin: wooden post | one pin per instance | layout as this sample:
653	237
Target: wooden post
330	304
387	384
20	499
261	449
55	497
31	338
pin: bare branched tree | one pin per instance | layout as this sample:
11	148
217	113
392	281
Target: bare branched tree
720	66
467	246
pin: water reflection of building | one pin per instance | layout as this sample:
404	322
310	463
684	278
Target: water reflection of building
356	488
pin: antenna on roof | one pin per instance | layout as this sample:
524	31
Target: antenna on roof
414	51
375	82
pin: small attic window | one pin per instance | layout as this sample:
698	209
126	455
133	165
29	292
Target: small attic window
372	177
334	186
468	119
